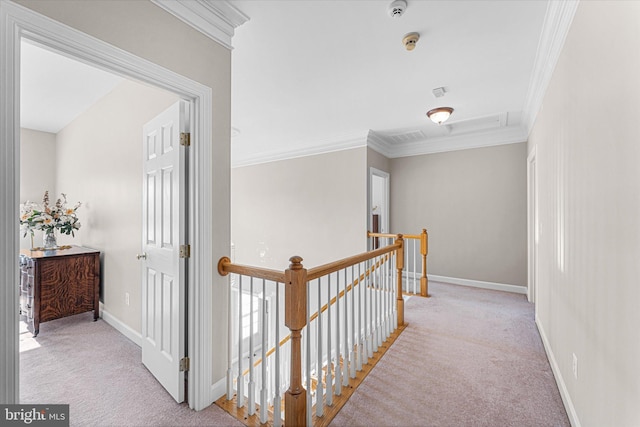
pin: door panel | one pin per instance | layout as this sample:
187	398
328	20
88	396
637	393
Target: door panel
163	277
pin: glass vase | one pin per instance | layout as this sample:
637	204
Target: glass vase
49	239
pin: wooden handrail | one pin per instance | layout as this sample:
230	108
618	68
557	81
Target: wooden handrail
315	315
225	267
370	234
404	236
332	267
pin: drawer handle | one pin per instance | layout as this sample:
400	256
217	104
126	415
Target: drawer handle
142	256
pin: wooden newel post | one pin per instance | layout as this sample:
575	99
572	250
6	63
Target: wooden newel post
295	318
424	250
400	267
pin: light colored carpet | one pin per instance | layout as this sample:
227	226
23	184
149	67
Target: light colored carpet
470	357
99	373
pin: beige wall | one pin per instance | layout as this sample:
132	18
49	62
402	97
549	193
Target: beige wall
588	298
377	160
311	206
37	172
99	158
147	31
473	203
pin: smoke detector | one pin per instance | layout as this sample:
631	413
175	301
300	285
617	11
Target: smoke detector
397	8
409	40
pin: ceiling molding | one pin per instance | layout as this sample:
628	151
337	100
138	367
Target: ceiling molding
507	135
319	148
556	26
215	19
378	143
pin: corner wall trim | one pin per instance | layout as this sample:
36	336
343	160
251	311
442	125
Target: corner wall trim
557	22
479	284
562	386
124	329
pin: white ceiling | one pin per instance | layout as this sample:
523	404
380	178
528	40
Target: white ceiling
310	76
54	89
324	73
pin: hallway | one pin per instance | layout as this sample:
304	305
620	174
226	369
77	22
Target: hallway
469	357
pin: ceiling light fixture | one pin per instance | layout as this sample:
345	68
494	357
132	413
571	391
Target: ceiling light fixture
439	115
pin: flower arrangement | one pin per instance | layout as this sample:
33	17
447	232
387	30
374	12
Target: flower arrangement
49	218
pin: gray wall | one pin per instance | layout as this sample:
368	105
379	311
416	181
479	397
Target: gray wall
588	296
311	206
37	172
473	203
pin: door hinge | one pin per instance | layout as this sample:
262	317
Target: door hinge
184	364
185	251
185	139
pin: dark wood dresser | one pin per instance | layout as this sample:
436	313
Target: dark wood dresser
58	283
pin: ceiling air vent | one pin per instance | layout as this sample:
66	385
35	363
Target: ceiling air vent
404	138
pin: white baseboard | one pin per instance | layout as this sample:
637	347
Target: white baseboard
125	330
479	284
219	389
562	387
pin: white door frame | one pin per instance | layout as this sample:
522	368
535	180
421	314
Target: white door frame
385	175
18	22
532	227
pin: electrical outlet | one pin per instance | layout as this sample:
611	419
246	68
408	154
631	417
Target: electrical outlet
126	300
575	366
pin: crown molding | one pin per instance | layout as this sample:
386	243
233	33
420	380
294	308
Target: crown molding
377	142
318	148
215	19
502	136
555	28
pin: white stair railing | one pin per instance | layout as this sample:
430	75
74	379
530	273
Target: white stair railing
356	304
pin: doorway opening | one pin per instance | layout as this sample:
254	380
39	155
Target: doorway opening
27	24
378	215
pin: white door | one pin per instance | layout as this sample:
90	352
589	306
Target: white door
163	273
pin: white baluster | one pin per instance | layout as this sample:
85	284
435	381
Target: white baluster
308	359
353	336
369	308
378	336
337	369
387	281
277	400
372	306
230	342
240	380
345	345
320	386
360	320
329	374
252	350
394	283
265	343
